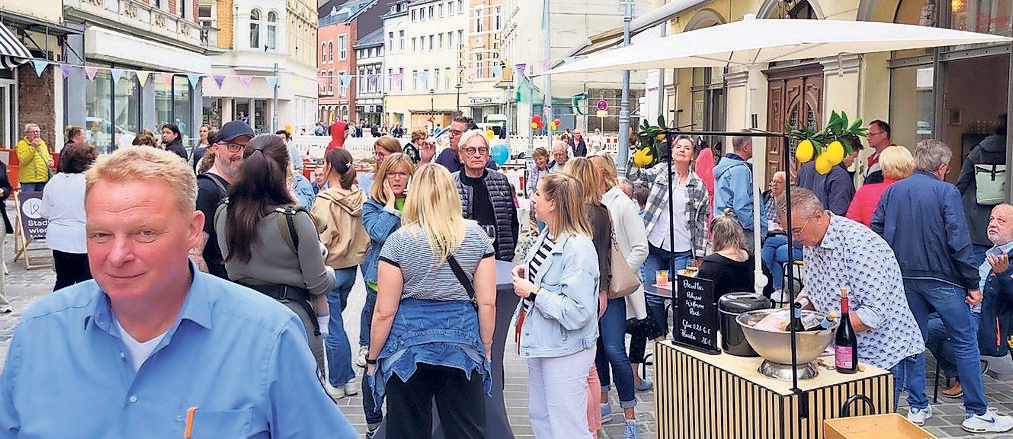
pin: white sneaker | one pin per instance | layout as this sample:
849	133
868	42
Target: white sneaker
336	392
779	296
350	388
6	309
918	416
990	422
360	358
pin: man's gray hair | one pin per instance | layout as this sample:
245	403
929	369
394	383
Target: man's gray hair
740	142
561	144
803	201
468	135
930	154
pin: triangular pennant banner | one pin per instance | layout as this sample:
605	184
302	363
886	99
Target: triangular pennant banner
116	74
142	77
272	81
322	80
470	73
397	77
372	80
345	80
167	79
219	79
246	80
40	66
90	72
194	79
497	71
65	68
520	68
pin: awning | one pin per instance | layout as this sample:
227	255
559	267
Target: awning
12	52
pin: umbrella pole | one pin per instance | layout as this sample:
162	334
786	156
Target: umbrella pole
803	410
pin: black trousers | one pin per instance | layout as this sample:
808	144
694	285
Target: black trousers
71	268
460	403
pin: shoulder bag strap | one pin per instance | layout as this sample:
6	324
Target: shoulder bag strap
463	278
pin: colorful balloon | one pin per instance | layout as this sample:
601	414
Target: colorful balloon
534	125
557	122
536	118
552	126
500	153
490	135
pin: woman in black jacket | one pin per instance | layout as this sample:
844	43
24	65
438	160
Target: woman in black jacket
172	140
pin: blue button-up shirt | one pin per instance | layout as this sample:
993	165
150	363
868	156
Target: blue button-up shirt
238	356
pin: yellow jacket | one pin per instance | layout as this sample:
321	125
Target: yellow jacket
34	167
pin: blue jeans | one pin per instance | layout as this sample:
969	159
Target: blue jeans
339	352
924	295
33	187
366	319
940	343
909	375
612	352
775	254
656	260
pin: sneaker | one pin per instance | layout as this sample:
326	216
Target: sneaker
918	416
336	392
6	309
371	429
645	385
631	431
350	388
606	413
360	359
779	296
954	391
990	422
984	367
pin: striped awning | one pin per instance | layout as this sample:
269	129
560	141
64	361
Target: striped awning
12	52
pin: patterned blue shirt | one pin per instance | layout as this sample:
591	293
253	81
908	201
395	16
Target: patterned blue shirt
238	356
852	256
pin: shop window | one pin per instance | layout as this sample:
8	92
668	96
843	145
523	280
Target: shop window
708	111
260	115
181	106
272	30
126	111
342	47
984	16
255	29
911	105
99	120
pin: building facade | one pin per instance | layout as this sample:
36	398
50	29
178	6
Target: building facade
369	77
336	35
484	66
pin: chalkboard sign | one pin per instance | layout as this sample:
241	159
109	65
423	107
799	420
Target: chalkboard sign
695	320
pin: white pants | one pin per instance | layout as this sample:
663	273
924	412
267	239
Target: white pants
557	395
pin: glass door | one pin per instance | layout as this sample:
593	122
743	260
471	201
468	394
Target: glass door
8	124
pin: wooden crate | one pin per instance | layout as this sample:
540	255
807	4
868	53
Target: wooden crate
891	425
723	396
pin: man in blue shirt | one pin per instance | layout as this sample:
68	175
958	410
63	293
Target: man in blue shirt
152	347
733	188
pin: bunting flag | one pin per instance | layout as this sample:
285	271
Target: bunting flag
322	80
65	68
90	72
272	81
40	66
545	64
116	74
194	79
296	81
246	80
424	78
397	77
470	73
142	77
372	80
167	79
219	80
519	68
345	79
497	71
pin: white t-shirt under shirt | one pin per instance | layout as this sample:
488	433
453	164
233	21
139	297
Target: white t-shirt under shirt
139	351
659	236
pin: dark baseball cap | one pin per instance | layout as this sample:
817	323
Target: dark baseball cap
233	129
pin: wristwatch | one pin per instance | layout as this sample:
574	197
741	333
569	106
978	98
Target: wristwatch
370	360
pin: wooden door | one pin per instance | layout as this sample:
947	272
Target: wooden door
794	96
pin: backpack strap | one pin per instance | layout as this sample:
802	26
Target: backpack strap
286	222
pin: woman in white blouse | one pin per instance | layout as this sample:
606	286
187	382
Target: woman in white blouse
63	205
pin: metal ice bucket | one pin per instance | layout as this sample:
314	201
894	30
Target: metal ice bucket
775	346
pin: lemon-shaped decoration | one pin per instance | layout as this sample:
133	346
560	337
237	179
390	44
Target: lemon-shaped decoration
805	151
834	152
823	164
643	157
661	137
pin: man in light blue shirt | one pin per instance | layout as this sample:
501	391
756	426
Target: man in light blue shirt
152	347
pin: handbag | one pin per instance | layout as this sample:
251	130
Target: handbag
624	281
990	182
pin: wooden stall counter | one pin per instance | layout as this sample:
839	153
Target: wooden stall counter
698	395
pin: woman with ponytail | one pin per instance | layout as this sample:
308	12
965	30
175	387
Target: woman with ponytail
270	244
339	208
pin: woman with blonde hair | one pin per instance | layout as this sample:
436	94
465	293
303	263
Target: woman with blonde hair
897	163
730	266
437	276
385	146
558	284
381	216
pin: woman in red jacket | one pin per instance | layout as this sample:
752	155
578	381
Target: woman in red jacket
897	163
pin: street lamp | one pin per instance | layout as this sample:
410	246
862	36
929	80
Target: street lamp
458	87
432	101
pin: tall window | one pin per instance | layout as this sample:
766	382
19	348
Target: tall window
441	40
400	86
362	73
436	78
330	51
390	79
422	14
430	42
414	47
478	20
272	30
390	39
323	52
460	6
450	39
400	34
342	49
450	8
431	14
415	80
440	9
413	15
255	29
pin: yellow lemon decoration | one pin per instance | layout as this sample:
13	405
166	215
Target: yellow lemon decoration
661	137
805	151
823	164
834	152
643	157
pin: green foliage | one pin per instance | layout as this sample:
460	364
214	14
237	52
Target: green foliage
837	129
647	137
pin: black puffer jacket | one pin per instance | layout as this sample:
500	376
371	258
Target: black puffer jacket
991	151
507	225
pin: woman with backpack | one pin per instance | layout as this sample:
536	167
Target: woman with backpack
340	209
270	244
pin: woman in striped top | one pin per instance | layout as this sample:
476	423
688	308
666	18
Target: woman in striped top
556	328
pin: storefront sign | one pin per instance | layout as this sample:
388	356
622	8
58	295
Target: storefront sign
33	224
486	100
696	314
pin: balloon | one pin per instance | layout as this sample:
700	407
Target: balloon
541	124
536	118
534	125
288	127
490	135
557	122
500	153
552	126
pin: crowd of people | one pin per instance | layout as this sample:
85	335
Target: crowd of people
177	304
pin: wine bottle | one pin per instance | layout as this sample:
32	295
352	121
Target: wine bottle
825	323
845	341
796	318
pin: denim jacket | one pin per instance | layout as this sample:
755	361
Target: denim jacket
441	333
563	319
379	222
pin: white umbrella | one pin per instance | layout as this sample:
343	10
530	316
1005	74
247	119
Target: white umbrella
755	42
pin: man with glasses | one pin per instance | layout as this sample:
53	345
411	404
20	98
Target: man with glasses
922	218
213	187
878	136
486	196
843	254
449	156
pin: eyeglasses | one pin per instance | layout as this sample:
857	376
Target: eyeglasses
235	147
472	150
795	233
454	132
870	133
397	175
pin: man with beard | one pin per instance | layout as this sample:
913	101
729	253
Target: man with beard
213	187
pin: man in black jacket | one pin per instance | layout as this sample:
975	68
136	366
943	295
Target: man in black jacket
578	145
486	196
990	154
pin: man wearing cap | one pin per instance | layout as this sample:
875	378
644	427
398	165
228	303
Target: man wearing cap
213	187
